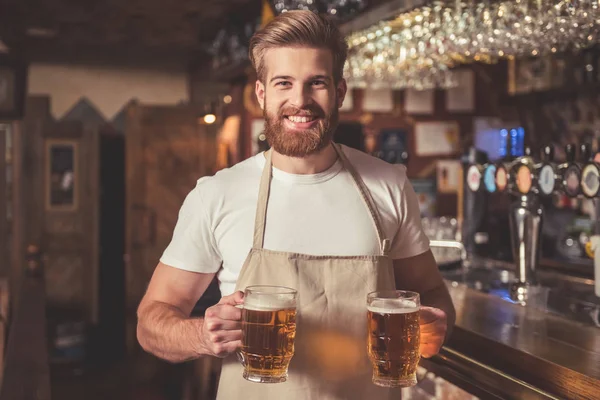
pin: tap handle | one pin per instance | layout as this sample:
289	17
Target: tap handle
404	157
570	151
523	177
585	152
548	153
527	151
474	177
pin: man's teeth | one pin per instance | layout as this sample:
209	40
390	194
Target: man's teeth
297	119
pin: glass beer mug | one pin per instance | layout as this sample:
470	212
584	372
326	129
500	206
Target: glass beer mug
268	333
393	337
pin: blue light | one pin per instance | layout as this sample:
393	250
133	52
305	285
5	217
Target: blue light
517	142
503	294
502	149
498	143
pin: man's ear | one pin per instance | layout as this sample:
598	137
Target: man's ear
260	93
341	90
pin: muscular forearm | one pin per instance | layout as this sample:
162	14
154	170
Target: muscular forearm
168	333
440	298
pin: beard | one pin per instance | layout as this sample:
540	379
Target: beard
300	143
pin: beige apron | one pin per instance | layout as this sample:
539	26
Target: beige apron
330	359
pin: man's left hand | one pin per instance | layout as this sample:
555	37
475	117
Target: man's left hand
433	330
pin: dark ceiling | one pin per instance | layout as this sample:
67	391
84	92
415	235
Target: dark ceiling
105	30
147	32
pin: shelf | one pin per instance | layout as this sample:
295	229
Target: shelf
592	89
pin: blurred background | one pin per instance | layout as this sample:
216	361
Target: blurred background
111	110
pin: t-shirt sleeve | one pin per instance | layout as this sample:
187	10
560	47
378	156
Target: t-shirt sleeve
410	240
193	247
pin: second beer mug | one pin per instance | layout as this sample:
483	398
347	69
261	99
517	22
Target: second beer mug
269	330
394	337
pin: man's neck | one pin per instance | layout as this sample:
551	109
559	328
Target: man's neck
311	164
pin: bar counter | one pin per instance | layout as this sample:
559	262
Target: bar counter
503	350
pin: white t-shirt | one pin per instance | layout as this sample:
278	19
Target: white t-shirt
320	214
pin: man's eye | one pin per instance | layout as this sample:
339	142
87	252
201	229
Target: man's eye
282	83
318	83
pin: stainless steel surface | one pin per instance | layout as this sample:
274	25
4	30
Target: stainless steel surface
550	353
525	216
443	251
570	297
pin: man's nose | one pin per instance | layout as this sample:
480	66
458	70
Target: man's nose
301	96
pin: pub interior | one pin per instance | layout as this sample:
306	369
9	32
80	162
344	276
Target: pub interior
111	110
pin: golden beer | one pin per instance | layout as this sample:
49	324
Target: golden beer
269	330
393	339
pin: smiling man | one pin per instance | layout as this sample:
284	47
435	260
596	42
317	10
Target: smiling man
327	220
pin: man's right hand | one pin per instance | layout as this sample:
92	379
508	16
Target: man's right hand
222	328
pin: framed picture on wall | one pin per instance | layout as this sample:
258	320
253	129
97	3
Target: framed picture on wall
61	170
12	88
436	138
530	75
393	146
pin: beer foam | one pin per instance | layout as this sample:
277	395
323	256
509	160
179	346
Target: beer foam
393	306
269	304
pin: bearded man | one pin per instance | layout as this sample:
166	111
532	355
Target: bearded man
335	222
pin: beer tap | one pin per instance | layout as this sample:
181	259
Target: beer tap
474	199
523	171
590	174
570	173
590	184
474	175
528	180
502	177
546	173
489	177
525	217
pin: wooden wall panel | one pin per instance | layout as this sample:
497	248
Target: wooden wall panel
68	238
168	150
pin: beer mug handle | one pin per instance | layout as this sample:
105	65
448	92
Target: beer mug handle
239	354
241	358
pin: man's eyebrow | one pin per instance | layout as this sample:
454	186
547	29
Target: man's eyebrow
281	77
321	77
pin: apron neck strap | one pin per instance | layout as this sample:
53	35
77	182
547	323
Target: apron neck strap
263	200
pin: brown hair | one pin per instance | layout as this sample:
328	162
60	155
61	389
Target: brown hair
299	29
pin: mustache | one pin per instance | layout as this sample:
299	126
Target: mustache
307	111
